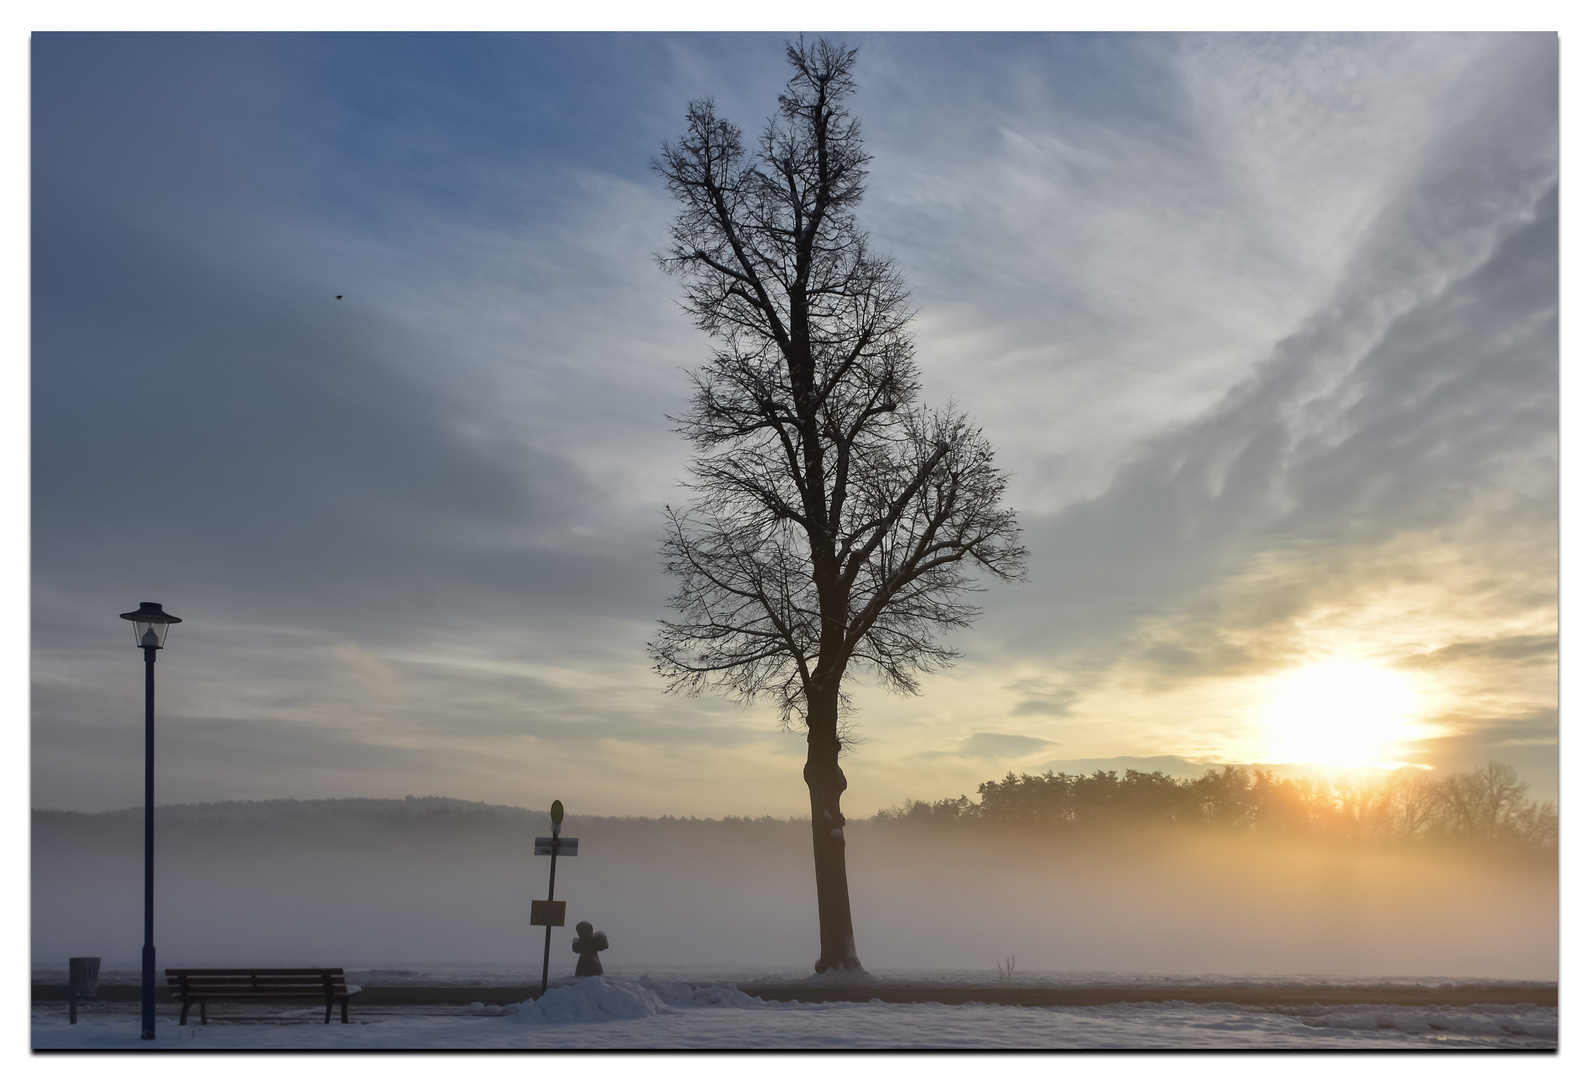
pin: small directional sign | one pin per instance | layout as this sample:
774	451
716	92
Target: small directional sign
547	912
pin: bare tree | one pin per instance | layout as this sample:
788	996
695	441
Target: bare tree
834	521
1481	803
1497	797
1415	799
1534	825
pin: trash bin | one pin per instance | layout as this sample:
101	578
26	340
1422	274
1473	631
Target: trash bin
83	981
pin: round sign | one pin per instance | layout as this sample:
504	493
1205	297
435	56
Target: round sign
557	811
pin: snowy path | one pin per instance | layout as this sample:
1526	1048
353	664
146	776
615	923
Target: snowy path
611	1013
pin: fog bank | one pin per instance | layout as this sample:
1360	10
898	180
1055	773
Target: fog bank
362	883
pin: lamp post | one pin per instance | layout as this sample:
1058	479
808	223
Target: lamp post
149	624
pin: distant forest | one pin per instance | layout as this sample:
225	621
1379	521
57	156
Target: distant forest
1484	807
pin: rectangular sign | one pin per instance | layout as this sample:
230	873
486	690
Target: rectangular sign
566	845
547	912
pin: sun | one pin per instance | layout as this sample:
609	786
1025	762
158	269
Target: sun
1340	713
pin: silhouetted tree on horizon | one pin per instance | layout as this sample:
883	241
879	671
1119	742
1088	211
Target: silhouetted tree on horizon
834	521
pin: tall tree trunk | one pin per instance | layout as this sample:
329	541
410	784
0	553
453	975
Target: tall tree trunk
826	783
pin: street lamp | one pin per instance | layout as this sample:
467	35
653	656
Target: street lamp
149	625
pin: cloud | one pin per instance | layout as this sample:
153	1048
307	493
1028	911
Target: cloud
992	745
1265	327
1528	739
1056	704
1384	482
277	432
1531	649
1421	397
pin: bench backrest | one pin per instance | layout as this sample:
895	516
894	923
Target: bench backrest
257	982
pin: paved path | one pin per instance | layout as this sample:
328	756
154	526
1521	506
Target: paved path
995	994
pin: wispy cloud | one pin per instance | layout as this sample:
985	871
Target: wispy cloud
993	746
1265	328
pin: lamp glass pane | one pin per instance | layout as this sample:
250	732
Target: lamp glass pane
142	629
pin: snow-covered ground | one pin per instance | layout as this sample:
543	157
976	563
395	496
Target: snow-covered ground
624	1012
455	974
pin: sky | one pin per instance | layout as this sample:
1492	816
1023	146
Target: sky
1264	330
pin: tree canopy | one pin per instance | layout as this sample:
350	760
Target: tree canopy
1485	806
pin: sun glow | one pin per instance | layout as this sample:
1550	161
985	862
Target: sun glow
1341	713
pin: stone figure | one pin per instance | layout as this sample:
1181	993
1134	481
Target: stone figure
587	945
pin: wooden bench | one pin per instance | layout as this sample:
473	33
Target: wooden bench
195	986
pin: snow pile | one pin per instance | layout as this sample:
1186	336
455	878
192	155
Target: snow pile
602	998
591	1001
719	994
480	1008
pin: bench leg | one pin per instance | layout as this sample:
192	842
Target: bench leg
203	1016
344	1010
328	1010
186	1005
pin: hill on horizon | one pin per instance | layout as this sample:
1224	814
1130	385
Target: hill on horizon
408	806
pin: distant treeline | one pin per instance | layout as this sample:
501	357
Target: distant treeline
1484	806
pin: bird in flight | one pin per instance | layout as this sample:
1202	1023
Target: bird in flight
339	296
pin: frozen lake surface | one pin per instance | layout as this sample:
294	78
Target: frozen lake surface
620	1011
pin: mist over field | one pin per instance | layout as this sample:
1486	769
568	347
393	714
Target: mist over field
364	883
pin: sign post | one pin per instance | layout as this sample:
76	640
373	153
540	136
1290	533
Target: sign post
549	912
